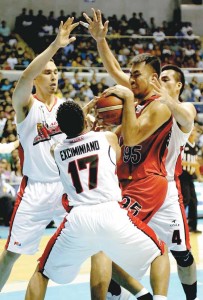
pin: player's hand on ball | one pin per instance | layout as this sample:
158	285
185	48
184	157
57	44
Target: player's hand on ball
120	91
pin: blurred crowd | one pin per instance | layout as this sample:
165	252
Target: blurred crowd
174	42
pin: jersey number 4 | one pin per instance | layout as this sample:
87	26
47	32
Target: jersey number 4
176	237
81	164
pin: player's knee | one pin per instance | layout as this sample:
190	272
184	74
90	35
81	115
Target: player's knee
183	258
9	257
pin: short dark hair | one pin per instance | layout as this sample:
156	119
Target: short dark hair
70	118
179	75
149	59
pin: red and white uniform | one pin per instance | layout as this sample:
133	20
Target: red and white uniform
96	221
85	163
37	133
170	221
39	196
142	172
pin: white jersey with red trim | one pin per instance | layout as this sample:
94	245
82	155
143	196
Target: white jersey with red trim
37	133
87	167
177	141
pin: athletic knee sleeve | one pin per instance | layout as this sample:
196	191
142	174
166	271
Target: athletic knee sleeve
183	258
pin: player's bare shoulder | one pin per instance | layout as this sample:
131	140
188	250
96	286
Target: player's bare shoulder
111	137
156	109
189	107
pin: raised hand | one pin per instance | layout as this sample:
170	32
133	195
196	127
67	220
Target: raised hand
161	91
90	105
97	29
62	38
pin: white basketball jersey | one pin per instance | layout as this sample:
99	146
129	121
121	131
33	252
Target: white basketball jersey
176	145
37	133
87	167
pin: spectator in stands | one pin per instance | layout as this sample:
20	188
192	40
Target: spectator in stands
88	92
76	81
5	85
3	120
12	60
199	62
123	24
104	84
4	29
159	35
20	20
142	21
152	25
133	23
61	17
186	95
40	19
12	40
52	20
28	26
6	150
25	60
71	90
16	174
46	29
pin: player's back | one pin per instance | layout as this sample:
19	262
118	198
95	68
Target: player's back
87	167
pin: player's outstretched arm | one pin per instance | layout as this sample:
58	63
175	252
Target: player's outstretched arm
21	96
98	30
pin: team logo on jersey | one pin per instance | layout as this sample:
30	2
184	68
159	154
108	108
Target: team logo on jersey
45	132
174	223
17	244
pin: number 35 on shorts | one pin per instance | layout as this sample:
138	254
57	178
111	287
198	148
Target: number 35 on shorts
128	204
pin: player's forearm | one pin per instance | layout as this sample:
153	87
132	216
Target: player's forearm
182	115
38	64
111	64
129	122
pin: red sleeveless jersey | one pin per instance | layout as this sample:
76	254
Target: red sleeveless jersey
148	157
142	173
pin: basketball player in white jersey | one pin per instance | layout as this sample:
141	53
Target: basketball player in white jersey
39	196
174	231
87	165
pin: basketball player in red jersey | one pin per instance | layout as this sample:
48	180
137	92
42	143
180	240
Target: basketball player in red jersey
140	82
39	196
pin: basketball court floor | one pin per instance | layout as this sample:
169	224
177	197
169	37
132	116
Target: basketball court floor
79	288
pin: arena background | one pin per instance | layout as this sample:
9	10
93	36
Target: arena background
185	11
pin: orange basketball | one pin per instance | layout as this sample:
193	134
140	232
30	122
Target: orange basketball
110	110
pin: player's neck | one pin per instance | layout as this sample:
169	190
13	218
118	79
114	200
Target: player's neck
146	97
47	99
